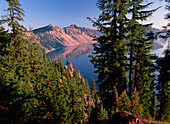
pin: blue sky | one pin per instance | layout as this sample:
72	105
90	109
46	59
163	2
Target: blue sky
63	13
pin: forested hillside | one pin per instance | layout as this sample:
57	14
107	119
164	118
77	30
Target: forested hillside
34	89
127	80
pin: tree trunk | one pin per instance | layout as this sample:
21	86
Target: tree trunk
117	98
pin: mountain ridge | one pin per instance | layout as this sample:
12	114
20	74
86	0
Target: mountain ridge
52	37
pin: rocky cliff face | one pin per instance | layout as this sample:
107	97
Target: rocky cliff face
52	37
87	97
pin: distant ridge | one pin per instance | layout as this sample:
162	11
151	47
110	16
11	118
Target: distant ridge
51	36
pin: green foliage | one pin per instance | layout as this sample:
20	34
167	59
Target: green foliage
110	55
89	108
14	16
124	102
93	89
101	113
139	46
134	105
124	34
163	85
33	88
137	107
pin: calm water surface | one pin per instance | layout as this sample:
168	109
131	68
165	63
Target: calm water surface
78	56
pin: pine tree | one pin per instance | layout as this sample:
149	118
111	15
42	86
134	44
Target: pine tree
15	14
87	87
139	46
5	42
102	113
60	66
124	102
15	70
163	85
141	72
34	89
110	54
137	107
93	89
164	74
23	77
89	108
76	108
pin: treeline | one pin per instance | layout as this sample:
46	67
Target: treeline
34	89
127	80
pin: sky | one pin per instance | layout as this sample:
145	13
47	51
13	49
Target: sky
62	13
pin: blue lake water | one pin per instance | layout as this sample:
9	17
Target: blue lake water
78	56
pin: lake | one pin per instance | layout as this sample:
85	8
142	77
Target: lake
78	56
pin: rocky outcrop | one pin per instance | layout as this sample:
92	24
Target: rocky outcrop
87	98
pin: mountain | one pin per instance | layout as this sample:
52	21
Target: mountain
52	37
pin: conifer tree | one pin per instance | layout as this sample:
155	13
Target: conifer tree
137	107
5	42
87	87
164	74
141	72
110	54
61	66
93	89
76	114
139	46
124	102
15	14
33	89
102	114
163	85
15	70
89	108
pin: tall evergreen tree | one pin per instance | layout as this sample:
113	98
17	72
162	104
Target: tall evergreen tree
141	71
33	89
15	70
110	54
93	89
163	85
124	102
164	74
110	62
139	45
15	15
